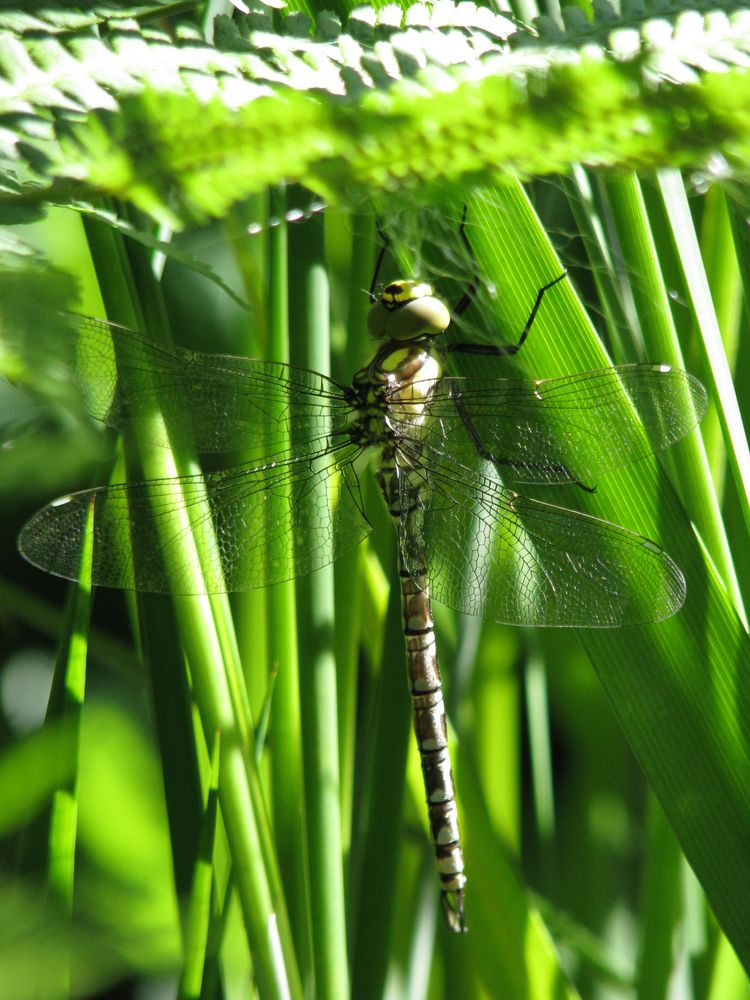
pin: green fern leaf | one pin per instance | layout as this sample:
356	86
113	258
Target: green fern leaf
444	92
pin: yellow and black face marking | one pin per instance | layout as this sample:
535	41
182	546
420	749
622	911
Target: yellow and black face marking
407	310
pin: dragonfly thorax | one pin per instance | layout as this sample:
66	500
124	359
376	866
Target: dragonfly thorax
407	310
393	391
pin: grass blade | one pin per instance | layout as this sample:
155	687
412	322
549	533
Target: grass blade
318	688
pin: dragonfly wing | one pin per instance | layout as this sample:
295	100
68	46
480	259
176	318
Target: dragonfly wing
233	403
502	556
570	429
234	530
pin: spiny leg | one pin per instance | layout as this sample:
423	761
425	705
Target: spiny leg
385	243
503	350
495	350
468	296
466	299
561	472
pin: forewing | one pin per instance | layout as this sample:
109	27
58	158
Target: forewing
234	530
231	403
570	429
507	558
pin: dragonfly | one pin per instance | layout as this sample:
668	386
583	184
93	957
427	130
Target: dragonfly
449	450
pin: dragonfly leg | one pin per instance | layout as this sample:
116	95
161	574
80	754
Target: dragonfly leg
503	350
385	243
466	299
468	296
558	473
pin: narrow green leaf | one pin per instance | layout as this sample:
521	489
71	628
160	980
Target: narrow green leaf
318	692
199	911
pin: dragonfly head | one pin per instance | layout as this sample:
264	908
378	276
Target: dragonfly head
407	310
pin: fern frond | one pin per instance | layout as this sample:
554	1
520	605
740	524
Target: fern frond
446	92
54	18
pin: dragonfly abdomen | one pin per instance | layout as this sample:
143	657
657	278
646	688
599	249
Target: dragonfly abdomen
401	483
431	731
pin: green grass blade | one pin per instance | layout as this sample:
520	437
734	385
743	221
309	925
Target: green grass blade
661	901
358	248
199	912
66	705
286	726
318	688
723	391
661	344
66	702
509	944
374	897
723	274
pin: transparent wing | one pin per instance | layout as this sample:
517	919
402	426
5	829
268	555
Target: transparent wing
501	556
233	403
570	429
234	530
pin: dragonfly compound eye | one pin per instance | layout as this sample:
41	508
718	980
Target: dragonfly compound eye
407	310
